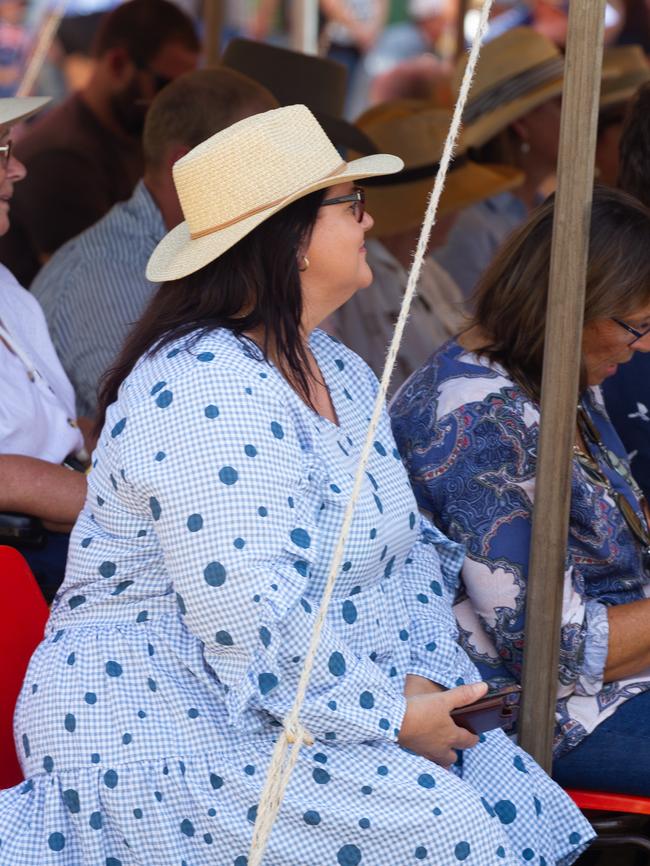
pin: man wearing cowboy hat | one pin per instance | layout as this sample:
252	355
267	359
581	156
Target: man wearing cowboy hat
415	132
94	288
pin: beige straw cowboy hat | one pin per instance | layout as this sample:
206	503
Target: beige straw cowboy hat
625	69
15	108
236	179
416	131
516	72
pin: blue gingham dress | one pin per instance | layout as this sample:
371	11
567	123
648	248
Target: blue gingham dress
149	712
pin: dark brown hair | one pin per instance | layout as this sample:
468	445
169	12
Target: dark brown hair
142	27
634	148
512	294
254	284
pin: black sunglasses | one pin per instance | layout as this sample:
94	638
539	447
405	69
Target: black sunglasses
358	197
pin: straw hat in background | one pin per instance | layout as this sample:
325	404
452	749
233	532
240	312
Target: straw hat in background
416	132
230	183
625	69
295	78
516	72
15	108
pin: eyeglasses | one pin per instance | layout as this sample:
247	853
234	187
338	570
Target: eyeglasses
638	335
638	527
5	153
358	197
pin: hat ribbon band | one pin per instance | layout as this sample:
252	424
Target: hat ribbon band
514	88
411	175
203	232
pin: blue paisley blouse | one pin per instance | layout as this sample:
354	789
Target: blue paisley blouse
149	713
468	435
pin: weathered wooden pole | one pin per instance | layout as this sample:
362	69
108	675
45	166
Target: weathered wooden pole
562	350
213	19
304	26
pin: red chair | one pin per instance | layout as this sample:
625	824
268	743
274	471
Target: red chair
618	819
22	620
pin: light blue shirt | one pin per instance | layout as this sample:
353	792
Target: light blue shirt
94	288
477	234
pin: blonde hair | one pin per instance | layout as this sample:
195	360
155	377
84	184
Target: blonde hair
511	297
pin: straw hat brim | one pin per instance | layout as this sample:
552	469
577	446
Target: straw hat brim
400	207
623	90
498	119
178	254
15	108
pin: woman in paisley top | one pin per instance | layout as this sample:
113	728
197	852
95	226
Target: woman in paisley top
233	429
467	426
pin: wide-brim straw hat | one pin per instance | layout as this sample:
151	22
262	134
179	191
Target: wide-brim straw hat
15	108
516	72
416	132
625	69
230	183
295	78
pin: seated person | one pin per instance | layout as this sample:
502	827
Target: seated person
232	427
86	154
94	288
627	394
415	132
512	118
467	426
38	430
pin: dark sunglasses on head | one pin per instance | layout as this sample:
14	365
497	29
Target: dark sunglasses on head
357	196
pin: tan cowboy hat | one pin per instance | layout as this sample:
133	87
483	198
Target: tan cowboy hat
292	77
416	132
516	72
625	69
241	176
15	108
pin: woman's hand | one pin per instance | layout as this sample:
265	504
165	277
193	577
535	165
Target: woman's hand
428	728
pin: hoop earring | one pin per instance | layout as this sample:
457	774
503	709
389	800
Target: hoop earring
305	264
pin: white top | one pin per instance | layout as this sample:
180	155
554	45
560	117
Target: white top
36	398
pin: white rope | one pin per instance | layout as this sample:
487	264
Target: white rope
294	734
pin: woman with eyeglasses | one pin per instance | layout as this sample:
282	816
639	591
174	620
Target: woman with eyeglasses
40	497
232	432
467	427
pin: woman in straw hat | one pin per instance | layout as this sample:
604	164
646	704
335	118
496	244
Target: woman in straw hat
416	132
512	117
467	424
232	429
38	430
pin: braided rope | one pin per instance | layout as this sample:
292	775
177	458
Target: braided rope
287	748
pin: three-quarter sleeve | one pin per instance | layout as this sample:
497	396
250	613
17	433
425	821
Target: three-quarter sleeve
236	512
430	572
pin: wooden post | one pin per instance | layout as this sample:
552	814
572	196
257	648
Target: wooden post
213	18
304	26
562	351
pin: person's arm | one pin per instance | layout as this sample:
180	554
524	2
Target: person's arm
364	33
482	491
629	640
46	490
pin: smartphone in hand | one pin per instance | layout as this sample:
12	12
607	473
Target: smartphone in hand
496	709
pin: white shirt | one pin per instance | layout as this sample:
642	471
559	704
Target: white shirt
37	406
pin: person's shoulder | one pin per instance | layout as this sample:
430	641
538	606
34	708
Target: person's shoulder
13	296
